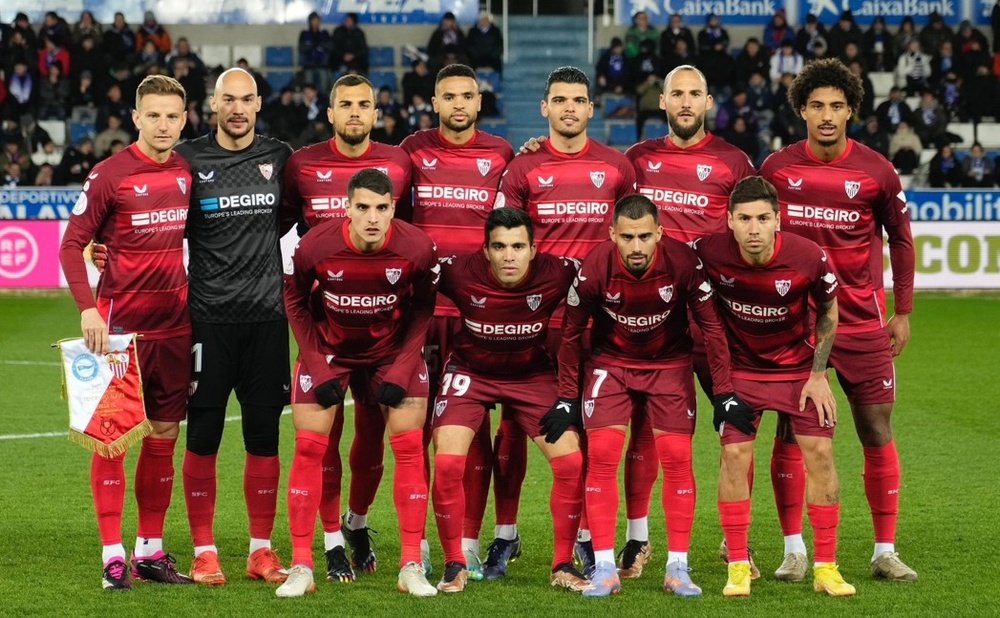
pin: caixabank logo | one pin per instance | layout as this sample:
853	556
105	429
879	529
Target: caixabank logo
865	11
695	12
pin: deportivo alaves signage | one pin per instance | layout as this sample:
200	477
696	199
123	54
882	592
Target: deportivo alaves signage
746	12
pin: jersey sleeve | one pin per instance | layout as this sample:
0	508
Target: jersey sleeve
418	322
891	212
701	303
291	198
87	218
583	296
298	287
513	190
825	282
627	184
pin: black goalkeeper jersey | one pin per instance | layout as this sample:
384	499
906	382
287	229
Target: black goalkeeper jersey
235	273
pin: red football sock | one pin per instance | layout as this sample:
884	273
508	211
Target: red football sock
882	474
199	495
260	490
449	504
305	487
735	519
510	462
678	488
366	457
788	477
107	486
604	451
824	519
154	482
333	472
476	480
565	502
641	469
409	489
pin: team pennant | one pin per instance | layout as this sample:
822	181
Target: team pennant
107	414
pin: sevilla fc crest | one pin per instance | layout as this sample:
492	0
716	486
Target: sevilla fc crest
852	187
597	178
393	274
118	362
440	406
666	293
484	166
588	407
183	184
305	382
266	170
534	301
703	171
782	286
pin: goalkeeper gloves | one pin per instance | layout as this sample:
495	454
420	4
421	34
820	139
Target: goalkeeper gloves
563	415
330	393
729	408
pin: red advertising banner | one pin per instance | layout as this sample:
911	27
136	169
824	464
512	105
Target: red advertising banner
29	254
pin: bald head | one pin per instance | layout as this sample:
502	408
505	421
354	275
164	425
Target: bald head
236	104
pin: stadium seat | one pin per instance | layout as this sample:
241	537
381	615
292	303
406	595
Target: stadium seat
279	56
653	129
56	130
253	53
80	130
492	78
620	133
382	57
280	79
882	82
913	103
988	134
965	130
617	106
383	78
496	126
926	155
216	55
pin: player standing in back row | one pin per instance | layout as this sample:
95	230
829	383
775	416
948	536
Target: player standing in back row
843	195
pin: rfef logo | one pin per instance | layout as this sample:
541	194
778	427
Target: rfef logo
18	252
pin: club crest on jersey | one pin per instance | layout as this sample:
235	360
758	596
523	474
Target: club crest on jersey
666	293
118	362
141	190
209	177
393	274
782	286
703	171
440	406
545	182
182	183
795	185
326	176
852	187
588	407
534	301
305	382
484	166
597	178
266	170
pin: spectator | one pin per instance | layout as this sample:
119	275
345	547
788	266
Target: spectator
54	94
788	124
196	124
484	44
777	31
713	38
648	99
741	135
12	175
612	72
23	26
868	96
682	54
950	93
761	100
995	26
54	28
45	175
47	154
752	59
906	33
311	103
852	53
893	111
809	36
113	105
935	32
674	32
913	70
846	31
22	90
787	60
715	61
639	31
263	86
183	51
33	136
53	53
976	56
317	130
193	82
737	106
979	95
349	47
944	62
86	26
446	39
874	137
151	30
876	45
87	58
285	117
391	132
930	120
977	168
315	48
385	104
149	56
116	147
419	107
646	62
905	148
417	81
945	171
119	40
104	139
18	50
77	161
488	104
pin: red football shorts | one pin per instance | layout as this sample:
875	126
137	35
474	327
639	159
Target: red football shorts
611	394
304	388
864	367
166	377
465	398
781	397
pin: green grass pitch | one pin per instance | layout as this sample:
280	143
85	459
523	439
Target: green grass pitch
946	424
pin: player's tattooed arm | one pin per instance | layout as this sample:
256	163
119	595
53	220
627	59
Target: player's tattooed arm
826	329
817	387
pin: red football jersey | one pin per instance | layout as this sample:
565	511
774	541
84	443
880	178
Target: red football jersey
843	206
504	329
641	322
766	308
570	197
690	186
316	180
138	208
374	308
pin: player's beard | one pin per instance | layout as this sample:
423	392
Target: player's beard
352	139
224	127
458	127
571	133
685	133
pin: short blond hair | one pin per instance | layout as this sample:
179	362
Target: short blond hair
159	84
